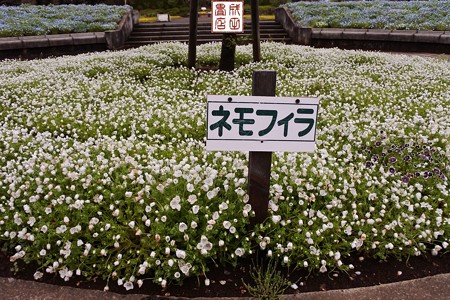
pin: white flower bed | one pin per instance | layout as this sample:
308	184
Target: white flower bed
103	168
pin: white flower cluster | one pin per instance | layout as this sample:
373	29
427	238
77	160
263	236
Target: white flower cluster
102	159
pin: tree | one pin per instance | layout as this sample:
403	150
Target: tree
228	52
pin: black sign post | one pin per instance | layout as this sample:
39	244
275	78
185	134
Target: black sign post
193	20
264	84
255	31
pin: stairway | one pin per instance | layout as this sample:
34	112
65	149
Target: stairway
149	33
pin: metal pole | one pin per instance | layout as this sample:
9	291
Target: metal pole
264	84
255	31
193	19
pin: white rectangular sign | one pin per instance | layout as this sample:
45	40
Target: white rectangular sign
227	16
258	123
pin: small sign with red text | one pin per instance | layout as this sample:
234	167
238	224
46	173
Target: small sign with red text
227	17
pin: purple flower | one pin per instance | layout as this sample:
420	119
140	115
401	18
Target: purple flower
392	170
392	159
405	179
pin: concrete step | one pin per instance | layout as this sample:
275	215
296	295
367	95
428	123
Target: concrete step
149	33
199	32
176	37
169	26
134	44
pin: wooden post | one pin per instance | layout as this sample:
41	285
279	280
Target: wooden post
255	31
264	84
193	20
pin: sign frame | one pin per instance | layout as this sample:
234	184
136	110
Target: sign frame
238	142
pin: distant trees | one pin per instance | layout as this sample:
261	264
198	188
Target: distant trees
139	4
56	2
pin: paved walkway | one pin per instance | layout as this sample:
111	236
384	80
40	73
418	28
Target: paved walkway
429	288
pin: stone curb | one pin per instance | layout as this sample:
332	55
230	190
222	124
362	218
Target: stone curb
433	287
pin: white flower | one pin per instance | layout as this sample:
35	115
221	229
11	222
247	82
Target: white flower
184	268
276	218
31	221
132	224
180	254
289	246
204	245
61	229
65	274
175	203
75	229
140	283
38	275
182	227
193	224
223	206
195	209
44	228
128	194
192	199
128	285
226	224
239	251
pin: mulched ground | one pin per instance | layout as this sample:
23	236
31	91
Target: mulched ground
228	282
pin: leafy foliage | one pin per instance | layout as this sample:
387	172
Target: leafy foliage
270	283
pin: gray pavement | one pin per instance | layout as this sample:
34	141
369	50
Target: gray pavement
428	288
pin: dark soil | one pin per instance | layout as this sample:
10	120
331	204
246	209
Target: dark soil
228	282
